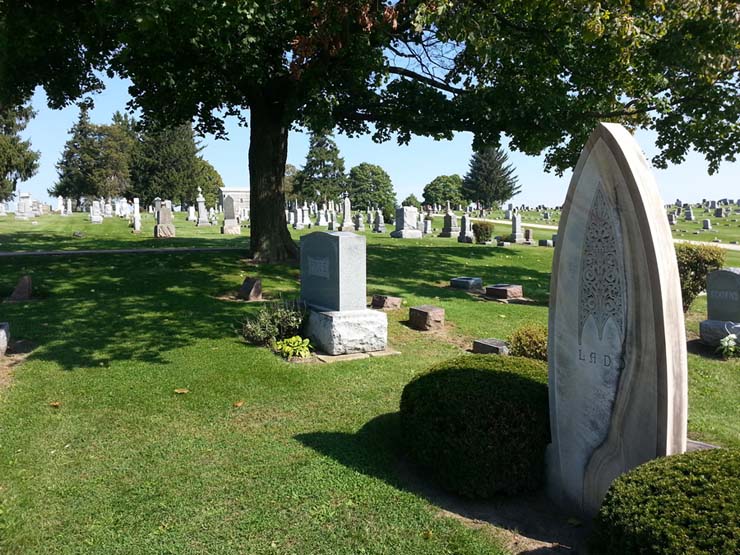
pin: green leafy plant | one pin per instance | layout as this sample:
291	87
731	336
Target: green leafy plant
482	232
292	347
530	341
728	346
688	504
479	424
694	264
274	322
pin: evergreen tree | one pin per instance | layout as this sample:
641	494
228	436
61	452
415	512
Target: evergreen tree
165	163
17	161
208	179
490	179
289	179
444	188
78	165
322	178
116	145
370	187
411	200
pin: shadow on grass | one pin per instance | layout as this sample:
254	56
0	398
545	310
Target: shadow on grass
377	450
122	307
418	270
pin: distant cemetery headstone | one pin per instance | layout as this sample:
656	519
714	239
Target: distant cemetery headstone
96	217
333	286
251	289
164	227
203	219
407	218
466	234
231	224
723	306
617	345
22	292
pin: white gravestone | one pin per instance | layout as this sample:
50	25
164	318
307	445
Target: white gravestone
203	219
347	223
95	215
231	225
333	286
407	218
617	345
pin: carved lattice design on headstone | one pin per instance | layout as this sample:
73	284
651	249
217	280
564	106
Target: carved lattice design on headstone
601	290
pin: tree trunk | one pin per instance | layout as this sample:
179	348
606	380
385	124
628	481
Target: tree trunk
268	150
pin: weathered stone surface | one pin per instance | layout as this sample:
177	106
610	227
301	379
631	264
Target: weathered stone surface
164	230
712	332
490	346
386	302
333	271
723	295
617	345
351	331
426	317
23	290
4	337
504	291
251	289
545	243
407	218
466	283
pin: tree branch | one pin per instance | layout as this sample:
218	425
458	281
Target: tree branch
423	79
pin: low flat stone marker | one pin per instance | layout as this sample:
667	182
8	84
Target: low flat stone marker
545	243
251	289
426	317
617	343
466	283
22	291
386	302
504	291
4	337
490	347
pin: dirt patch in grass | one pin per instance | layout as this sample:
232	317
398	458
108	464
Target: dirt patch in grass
17	352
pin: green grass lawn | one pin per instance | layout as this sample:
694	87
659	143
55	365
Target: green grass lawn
724	229
309	462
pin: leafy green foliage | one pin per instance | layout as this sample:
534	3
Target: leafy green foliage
411	200
479	424
490	179
482	231
291	347
274	322
444	188
322	177
688	504
529	340
695	262
18	162
370	187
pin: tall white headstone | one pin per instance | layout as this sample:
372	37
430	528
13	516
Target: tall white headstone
617	345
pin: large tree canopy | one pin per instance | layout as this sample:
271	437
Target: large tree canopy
541	73
370	187
442	189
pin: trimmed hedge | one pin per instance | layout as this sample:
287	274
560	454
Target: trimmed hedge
694	264
688	504
529	340
479	424
482	231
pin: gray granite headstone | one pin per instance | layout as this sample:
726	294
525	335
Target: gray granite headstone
723	295
617	343
333	270
407	218
231	225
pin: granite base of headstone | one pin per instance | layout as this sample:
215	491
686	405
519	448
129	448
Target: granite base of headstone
467	283
490	347
426	317
333	286
251	290
4	337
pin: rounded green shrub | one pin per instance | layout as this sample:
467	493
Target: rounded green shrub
694	264
479	424
687	504
529	340
482	231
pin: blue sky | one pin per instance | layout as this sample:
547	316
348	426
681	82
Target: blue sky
410	167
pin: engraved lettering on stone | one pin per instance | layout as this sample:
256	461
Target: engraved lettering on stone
602	275
318	267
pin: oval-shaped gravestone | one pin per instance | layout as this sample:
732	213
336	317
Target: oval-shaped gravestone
617	346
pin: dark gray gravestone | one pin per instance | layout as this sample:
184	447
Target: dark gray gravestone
723	295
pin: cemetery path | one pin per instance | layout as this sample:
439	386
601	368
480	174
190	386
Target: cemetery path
164	250
726	246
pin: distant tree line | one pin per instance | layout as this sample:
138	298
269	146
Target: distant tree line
127	159
323	178
18	162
